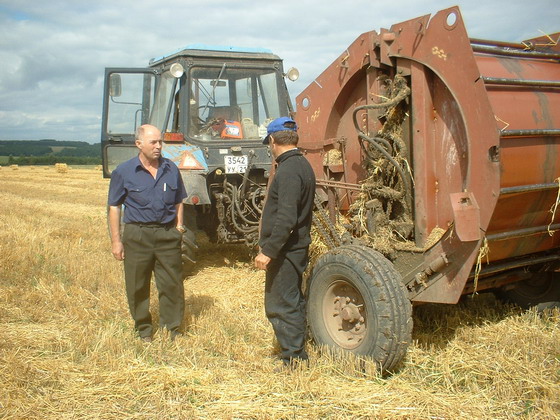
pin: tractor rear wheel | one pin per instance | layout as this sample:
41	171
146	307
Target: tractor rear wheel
358	303
188	245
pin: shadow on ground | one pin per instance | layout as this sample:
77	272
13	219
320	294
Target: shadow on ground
437	324
216	255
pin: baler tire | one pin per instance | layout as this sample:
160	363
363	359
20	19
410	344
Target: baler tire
540	288
357	302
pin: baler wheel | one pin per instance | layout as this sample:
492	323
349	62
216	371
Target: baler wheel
358	303
542	287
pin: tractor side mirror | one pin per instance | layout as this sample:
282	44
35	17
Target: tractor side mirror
115	85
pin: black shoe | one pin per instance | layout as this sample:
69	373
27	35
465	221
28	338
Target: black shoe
176	334
292	364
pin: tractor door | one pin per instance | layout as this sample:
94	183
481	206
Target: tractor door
128	101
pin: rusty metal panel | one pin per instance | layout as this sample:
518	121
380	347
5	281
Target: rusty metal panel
525	95
426	209
466	216
462	132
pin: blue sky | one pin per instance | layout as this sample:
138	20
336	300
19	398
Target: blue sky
53	54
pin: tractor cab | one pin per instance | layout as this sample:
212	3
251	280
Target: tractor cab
206	99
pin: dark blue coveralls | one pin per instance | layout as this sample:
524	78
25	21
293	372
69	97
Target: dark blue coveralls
285	237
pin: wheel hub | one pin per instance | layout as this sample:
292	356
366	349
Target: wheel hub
344	315
350	313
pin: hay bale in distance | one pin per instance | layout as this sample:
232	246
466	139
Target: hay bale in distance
61	167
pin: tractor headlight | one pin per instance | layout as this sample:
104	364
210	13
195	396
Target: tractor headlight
292	74
176	70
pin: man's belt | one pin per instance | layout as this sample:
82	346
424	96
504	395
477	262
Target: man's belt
153	224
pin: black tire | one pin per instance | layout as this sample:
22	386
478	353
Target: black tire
189	246
358	303
542	287
208	223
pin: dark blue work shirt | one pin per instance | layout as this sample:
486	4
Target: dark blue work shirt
145	199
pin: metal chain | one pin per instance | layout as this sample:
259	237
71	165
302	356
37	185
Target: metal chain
325	227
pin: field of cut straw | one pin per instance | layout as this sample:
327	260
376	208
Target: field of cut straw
68	351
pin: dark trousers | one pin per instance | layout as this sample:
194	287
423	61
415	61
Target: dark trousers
150	249
285	305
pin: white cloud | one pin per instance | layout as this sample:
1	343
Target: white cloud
53	54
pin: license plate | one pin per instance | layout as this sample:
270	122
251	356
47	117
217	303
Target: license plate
235	164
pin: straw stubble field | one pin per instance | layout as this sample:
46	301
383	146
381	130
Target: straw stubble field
67	349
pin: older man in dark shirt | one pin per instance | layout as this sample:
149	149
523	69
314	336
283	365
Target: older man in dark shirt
152	191
285	238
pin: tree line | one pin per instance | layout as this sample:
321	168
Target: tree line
49	151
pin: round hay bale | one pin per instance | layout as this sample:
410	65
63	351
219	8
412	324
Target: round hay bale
61	167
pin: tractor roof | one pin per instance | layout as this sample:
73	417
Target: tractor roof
202	50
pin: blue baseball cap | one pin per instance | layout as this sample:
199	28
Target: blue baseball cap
279	125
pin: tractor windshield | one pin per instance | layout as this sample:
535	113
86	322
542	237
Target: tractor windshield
233	102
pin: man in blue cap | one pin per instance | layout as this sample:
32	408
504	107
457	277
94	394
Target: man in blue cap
285	238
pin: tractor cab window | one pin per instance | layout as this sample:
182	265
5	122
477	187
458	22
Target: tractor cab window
233	103
130	101
165	103
137	98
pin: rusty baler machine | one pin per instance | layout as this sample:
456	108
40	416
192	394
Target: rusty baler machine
438	162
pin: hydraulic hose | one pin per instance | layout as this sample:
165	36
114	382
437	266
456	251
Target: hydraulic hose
381	150
256	194
377	142
235	212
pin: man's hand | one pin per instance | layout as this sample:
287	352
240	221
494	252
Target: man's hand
114	216
117	249
262	261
